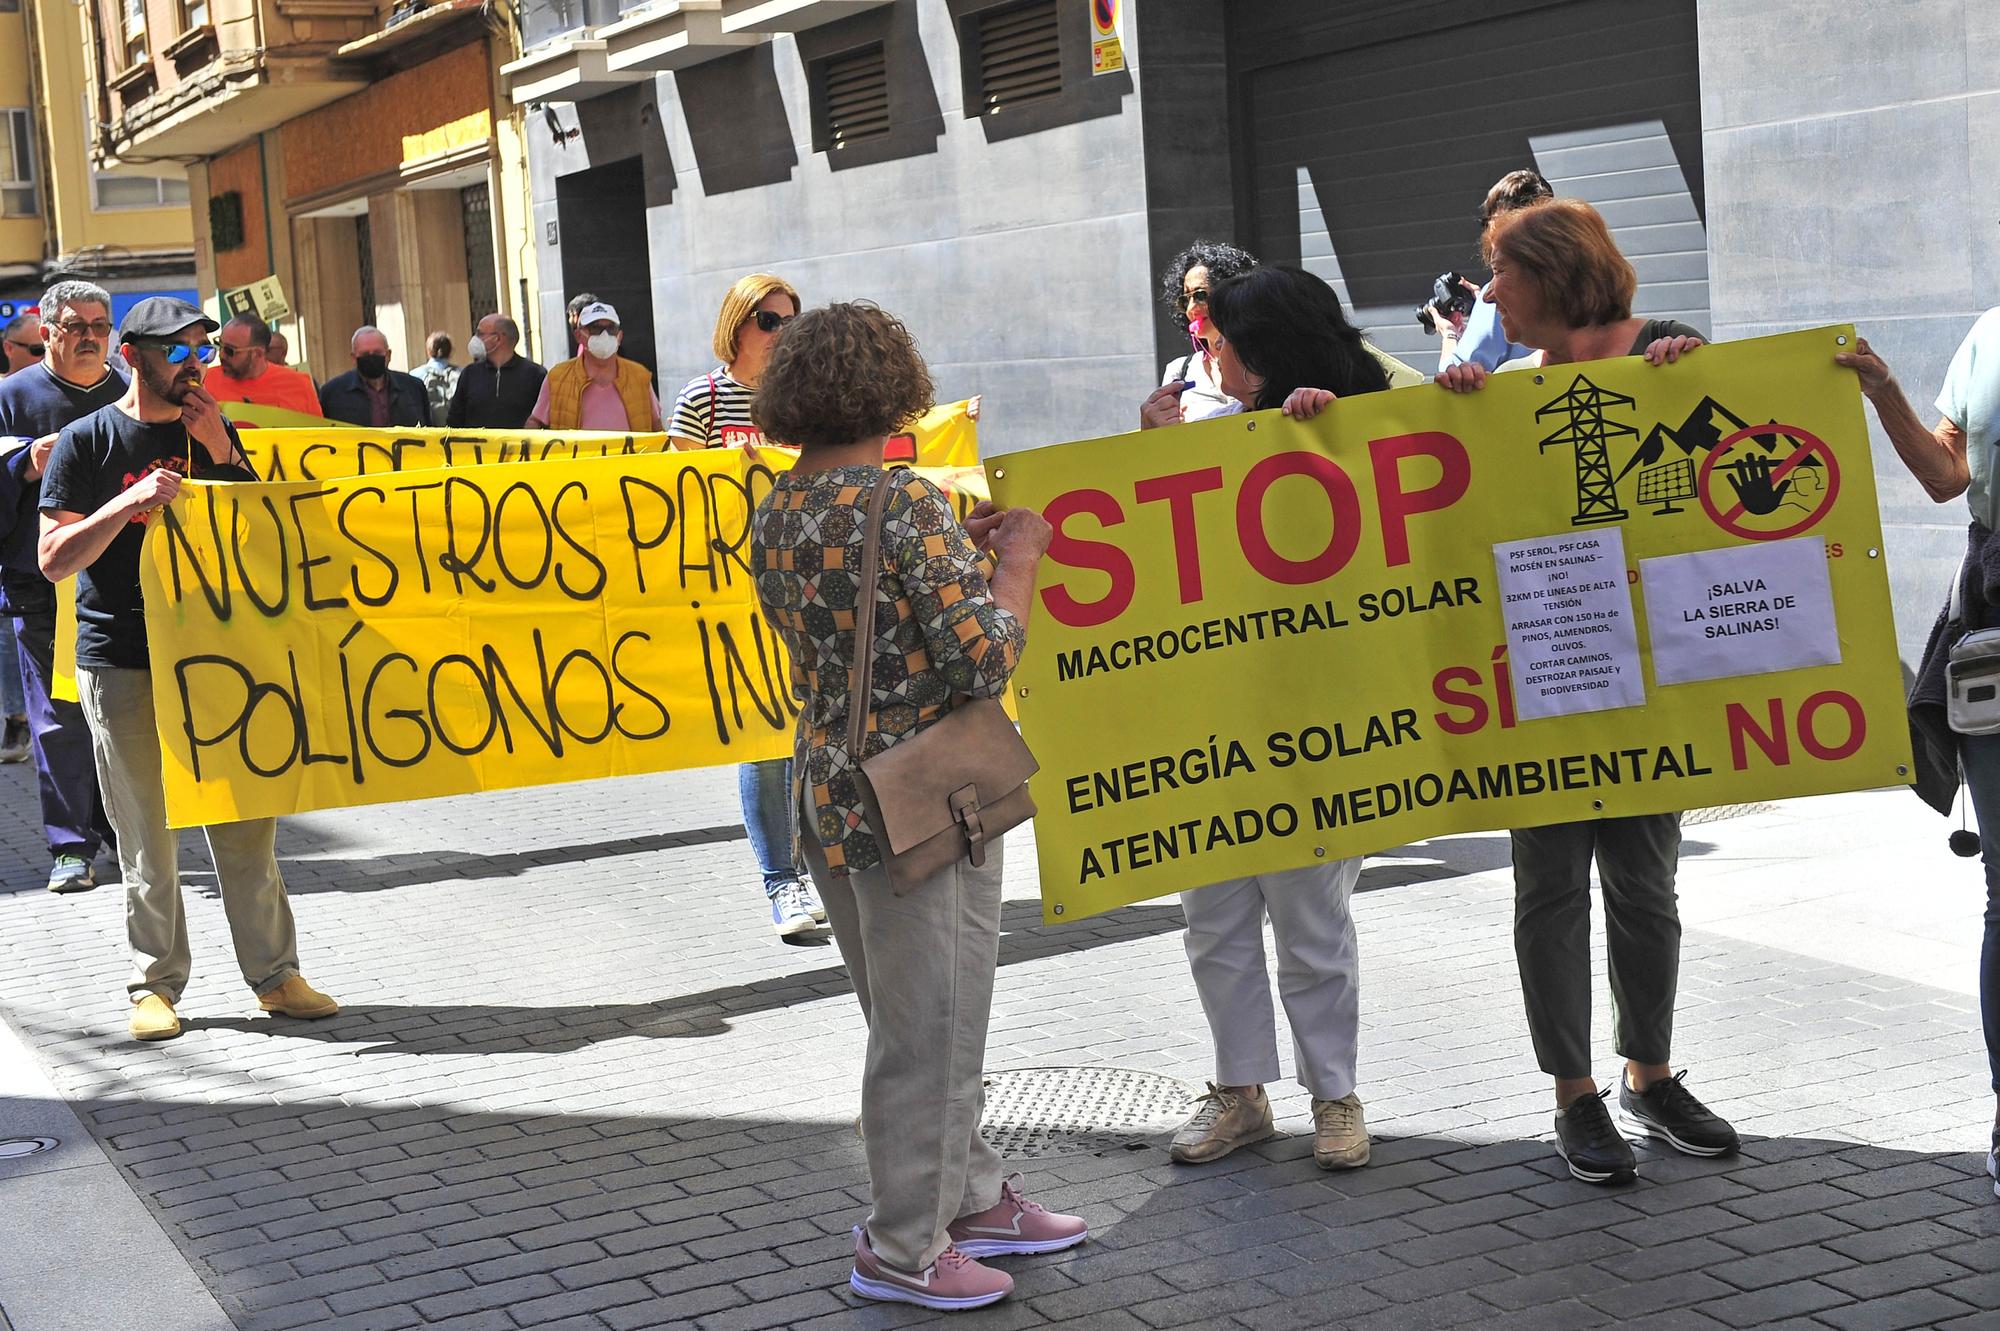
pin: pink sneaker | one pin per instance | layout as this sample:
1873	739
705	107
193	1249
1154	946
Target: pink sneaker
1016	1225
953	1281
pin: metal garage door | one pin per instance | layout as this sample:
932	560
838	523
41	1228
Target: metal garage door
1369	131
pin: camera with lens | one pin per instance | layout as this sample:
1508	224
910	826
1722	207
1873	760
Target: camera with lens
1449	295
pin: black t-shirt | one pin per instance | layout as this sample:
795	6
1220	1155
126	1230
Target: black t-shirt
34	402
96	460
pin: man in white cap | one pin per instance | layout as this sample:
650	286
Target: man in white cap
599	389
104	478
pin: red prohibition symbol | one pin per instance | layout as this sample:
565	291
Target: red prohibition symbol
1731	519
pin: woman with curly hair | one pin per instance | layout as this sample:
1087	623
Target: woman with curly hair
840	383
1185	288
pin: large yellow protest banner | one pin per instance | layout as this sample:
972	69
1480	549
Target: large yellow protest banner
1586	591
374	638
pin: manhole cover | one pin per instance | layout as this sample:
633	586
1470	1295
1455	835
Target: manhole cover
1036	1112
13	1148
1721	812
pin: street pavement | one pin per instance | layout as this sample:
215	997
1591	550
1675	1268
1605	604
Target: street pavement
578	1084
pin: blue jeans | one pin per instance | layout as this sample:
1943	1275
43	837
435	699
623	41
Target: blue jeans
13	698
72	811
1980	755
766	791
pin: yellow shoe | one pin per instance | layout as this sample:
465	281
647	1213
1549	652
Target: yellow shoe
153	1019
296	998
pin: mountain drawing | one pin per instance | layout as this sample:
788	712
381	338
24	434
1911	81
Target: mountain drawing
1706	426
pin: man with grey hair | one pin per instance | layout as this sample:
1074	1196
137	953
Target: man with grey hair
499	388
21	341
371	394
72	382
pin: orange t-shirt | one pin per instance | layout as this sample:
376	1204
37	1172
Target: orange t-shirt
275	387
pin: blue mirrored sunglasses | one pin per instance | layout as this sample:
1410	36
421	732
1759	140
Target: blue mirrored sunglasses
178	352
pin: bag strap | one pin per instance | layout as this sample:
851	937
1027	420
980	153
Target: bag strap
1957	612
860	672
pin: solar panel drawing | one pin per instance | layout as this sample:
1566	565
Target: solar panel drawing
1666	485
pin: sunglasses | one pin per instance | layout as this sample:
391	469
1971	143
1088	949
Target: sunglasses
770	321
1199	296
32	348
77	328
178	352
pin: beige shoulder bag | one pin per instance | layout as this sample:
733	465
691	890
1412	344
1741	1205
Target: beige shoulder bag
943	794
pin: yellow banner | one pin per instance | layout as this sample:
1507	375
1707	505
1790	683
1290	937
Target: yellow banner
373	638
262	414
1586	591
314	454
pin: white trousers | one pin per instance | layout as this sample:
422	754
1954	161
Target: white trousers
1319	974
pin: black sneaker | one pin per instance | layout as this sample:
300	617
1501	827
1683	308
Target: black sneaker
1668	1110
1590	1145
14	740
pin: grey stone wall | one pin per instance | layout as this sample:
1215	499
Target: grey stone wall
1853	159
1019	260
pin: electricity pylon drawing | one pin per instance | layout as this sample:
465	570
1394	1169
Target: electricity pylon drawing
1590	433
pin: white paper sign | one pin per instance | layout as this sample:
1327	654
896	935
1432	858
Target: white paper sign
1572	642
1740	610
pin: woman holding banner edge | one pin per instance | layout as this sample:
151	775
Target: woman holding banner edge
1561	285
1281	340
713	411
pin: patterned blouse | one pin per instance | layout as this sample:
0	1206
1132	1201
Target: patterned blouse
938	633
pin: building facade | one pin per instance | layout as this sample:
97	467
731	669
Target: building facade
60	215
358	151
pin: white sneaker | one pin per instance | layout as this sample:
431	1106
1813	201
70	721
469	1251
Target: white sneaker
789	916
814	906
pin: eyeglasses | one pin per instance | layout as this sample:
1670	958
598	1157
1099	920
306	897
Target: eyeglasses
77	327
1199	296
32	348
178	352
770	321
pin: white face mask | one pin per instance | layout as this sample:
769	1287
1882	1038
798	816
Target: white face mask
477	348
603	345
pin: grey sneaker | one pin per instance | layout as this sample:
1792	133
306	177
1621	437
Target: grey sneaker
72	873
1223	1121
14	740
1340	1133
1993	1162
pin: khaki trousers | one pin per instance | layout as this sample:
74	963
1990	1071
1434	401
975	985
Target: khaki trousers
922	966
119	706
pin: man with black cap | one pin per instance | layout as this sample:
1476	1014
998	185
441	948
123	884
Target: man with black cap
106	475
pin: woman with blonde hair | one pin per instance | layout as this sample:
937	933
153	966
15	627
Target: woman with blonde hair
713	411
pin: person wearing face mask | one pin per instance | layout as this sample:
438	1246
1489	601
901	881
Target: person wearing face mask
498	390
371	394
247	374
599	389
71	383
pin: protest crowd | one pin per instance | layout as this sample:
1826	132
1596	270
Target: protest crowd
904	616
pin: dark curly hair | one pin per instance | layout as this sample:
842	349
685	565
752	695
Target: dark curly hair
840	374
1287	326
1222	261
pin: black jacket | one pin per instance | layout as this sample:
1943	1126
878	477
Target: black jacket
342	398
490	397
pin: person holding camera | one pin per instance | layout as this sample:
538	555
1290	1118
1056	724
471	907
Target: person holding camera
1951	459
1475	336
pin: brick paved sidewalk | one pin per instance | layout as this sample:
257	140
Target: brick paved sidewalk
578	1084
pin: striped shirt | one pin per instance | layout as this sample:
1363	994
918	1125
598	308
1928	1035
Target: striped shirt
714	411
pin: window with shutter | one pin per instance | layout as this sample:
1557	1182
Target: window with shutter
855	96
1020	55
